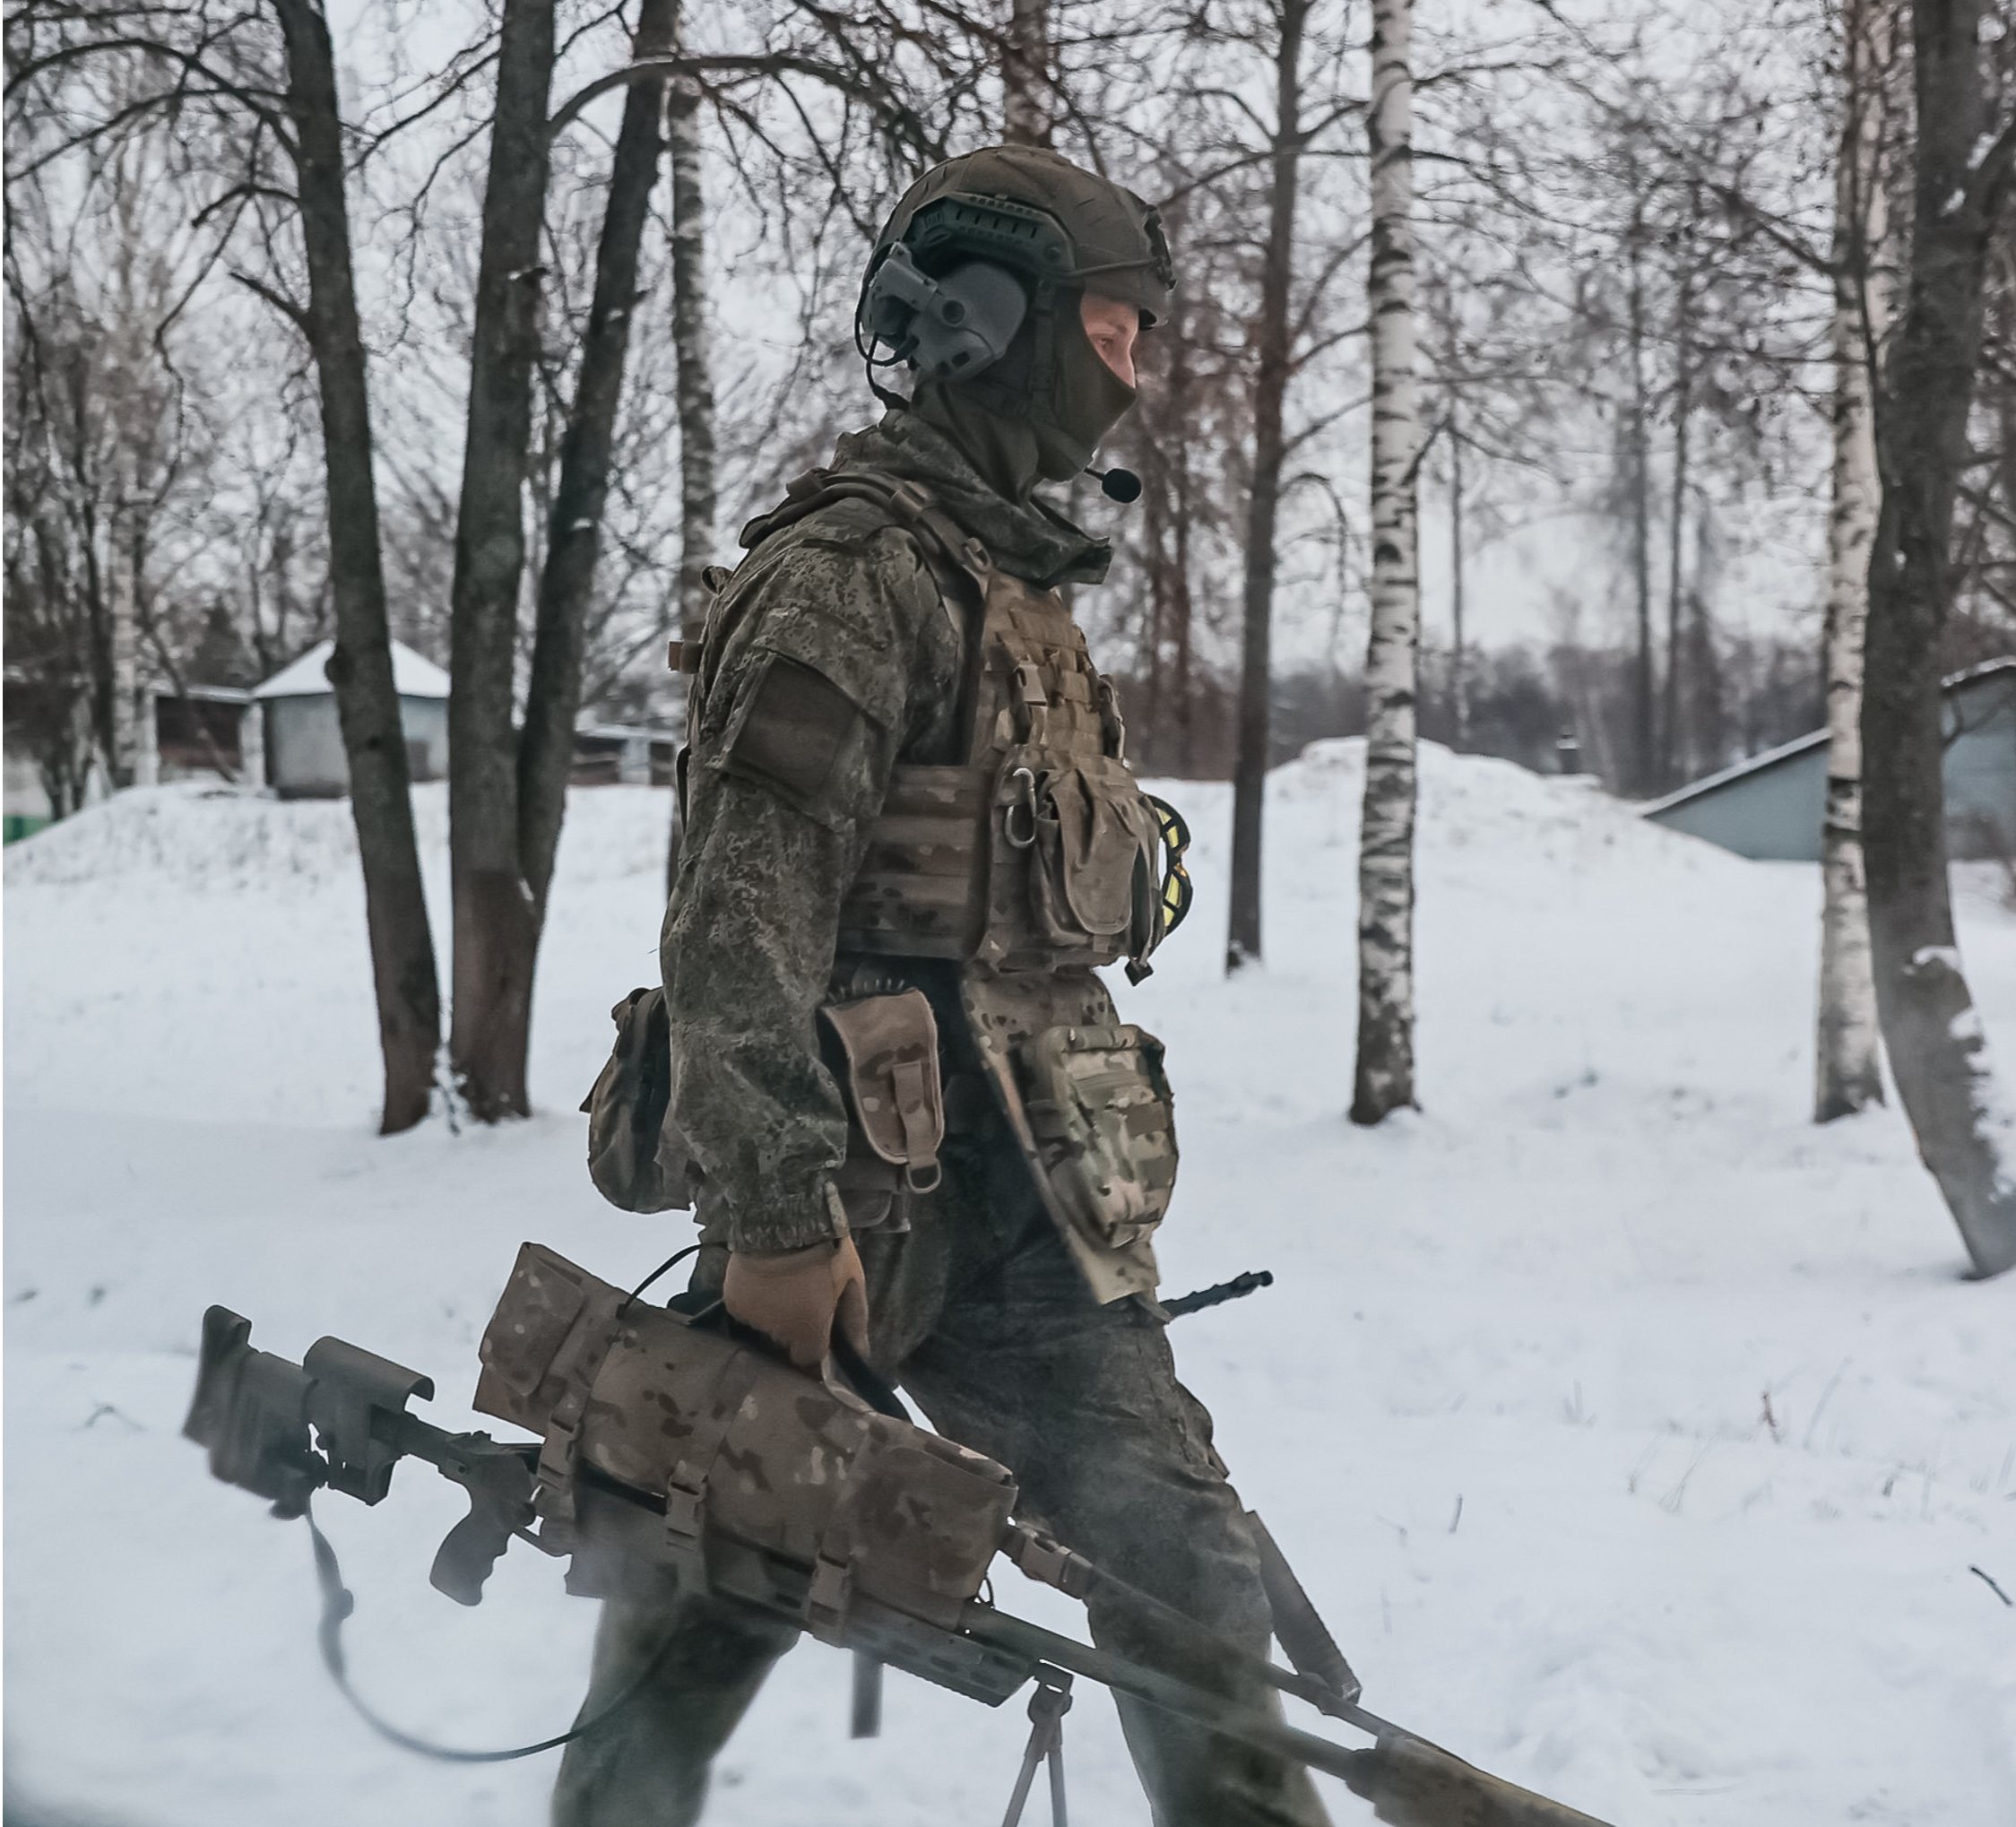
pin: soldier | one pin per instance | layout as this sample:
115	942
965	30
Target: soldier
919	1127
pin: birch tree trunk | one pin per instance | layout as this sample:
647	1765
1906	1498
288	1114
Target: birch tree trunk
495	933
1847	1074
1263	505
574	535
1383	1080
694	383
1966	1129
1027	110
403	968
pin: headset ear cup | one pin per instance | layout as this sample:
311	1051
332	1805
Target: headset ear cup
968	329
952	327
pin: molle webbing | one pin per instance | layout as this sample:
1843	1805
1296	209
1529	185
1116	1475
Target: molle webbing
921	891
986	860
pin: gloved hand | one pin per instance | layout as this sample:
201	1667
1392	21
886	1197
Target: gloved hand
796	1298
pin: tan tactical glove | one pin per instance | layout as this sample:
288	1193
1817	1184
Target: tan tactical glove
796	1298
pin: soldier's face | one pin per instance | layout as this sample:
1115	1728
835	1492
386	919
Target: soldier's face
1112	327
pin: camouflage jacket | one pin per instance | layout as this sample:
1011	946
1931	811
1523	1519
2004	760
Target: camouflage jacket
840	615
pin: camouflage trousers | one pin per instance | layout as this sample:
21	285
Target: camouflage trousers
985	1321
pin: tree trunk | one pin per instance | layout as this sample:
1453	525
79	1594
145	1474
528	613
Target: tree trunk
1263	507
1673	746
1183	610
574	528
496	931
123	762
1638	458
1938	1051
1459	659
1027	110
693	384
409	996
1847	1074
1383	1080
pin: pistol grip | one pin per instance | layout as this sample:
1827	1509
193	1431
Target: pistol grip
469	1552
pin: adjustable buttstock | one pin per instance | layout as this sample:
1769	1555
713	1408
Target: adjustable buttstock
251	1412
262	1418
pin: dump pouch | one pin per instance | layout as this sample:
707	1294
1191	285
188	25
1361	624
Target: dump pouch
636	1157
1099	1104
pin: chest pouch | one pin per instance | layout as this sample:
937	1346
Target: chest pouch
1085	840
1099	1104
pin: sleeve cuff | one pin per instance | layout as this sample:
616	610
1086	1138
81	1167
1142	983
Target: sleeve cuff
820	1219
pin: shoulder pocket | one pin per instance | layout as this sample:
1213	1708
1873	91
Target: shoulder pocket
792	732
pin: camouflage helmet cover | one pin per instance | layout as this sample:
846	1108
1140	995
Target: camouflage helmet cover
1005	204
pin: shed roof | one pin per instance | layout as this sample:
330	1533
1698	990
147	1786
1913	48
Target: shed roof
414	675
1785	751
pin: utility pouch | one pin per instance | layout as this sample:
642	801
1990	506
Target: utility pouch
890	1043
1099	1104
1089	843
635	1158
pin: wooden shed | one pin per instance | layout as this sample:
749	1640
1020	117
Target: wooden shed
1770	806
303	742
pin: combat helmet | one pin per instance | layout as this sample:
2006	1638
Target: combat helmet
975	279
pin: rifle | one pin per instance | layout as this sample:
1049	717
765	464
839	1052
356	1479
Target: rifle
818	1540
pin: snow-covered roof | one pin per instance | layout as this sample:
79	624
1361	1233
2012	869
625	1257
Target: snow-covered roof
414	675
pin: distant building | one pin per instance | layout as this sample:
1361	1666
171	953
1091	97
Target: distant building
284	735
303	742
202	732
622	755
1770	806
208	731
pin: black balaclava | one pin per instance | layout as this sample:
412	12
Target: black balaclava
1039	413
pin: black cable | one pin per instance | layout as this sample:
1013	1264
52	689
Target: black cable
337	1604
678	1256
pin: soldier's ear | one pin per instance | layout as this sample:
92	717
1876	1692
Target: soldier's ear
793	729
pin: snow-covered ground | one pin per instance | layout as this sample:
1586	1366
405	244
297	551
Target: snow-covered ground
1637	1437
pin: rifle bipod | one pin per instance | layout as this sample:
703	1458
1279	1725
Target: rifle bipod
1047	1707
